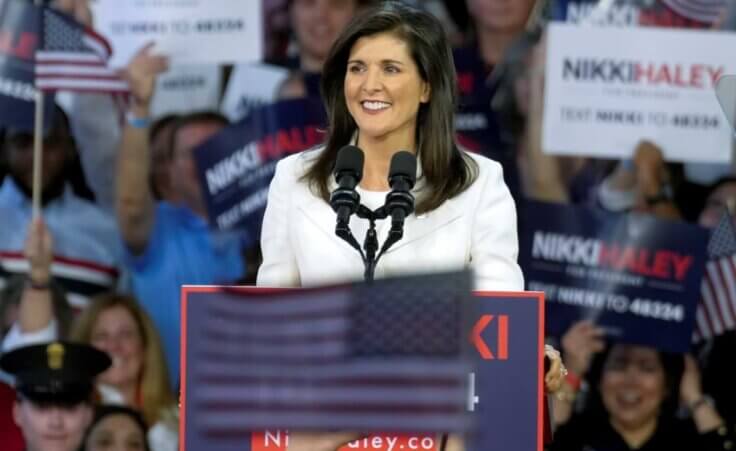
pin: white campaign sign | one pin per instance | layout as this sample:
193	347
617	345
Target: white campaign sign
609	88
184	89
188	31
251	86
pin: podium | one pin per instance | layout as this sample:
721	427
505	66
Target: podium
501	397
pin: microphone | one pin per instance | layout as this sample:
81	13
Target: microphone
402	175
348	173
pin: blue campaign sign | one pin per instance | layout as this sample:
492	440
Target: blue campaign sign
19	36
635	275
235	167
504	390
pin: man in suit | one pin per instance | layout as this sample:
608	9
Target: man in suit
54	387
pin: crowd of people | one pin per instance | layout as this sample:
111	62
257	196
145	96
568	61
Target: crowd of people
93	283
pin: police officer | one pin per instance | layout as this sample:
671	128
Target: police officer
54	386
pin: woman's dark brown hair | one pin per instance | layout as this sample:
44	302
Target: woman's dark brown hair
446	170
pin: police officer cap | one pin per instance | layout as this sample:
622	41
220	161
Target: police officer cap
55	373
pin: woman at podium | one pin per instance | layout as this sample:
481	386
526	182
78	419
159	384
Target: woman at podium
389	84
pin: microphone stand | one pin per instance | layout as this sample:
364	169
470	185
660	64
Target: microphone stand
370	244
370	259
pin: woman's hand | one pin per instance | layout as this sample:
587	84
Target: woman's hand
556	373
580	343
691	389
39	251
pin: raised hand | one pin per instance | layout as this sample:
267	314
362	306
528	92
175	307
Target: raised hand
39	251
79	9
141	75
580	343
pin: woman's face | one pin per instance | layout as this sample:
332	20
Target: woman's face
117	333
383	88
506	16
633	386
317	23
116	432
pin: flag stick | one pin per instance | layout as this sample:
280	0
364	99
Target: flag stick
37	141
37	154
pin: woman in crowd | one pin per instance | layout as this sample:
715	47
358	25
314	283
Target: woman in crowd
116	428
138	376
316	24
389	84
633	394
115	324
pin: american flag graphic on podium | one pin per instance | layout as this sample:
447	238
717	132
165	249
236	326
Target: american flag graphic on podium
390	356
72	57
716	312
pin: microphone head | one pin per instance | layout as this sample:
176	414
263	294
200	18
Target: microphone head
349	160
404	165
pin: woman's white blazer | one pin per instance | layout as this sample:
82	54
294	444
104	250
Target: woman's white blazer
475	229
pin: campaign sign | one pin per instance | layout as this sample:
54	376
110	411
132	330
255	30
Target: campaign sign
235	167
622	13
609	88
187	31
184	89
251	86
636	276
504	392
19	23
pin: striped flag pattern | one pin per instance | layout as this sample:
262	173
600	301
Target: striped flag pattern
385	357
72	57
705	11
81	279
717	311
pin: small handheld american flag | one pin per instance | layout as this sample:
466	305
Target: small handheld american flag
72	57
717	311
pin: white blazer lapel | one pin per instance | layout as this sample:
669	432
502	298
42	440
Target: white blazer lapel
321	215
418	227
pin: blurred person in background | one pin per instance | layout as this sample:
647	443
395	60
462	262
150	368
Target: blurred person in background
315	25
87	241
116	428
115	324
138	376
168	243
54	387
159	138
633	394
494	25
